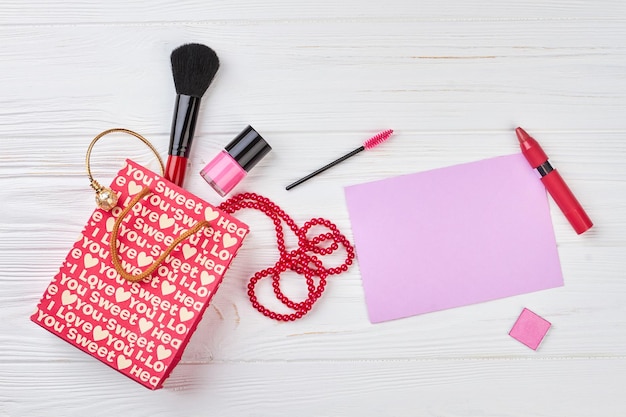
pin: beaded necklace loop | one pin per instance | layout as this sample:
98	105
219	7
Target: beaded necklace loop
302	260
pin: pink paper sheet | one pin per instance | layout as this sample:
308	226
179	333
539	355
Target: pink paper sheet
452	237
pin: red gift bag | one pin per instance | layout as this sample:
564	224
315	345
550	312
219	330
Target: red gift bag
141	328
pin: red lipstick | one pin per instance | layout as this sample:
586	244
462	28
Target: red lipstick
553	182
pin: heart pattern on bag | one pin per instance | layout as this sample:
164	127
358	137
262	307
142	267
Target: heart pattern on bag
123	363
206	278
210	214
144	260
110	223
140	327
145	324
99	333
189	251
121	295
134	188
167	288
163	352
165	221
68	298
185	314
229	240
89	261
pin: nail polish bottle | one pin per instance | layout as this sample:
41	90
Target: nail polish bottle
232	164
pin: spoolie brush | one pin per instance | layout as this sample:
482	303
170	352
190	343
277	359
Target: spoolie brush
367	145
193	68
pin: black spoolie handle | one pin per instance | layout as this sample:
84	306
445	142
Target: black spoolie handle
325	167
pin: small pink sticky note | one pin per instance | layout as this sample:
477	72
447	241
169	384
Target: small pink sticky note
530	329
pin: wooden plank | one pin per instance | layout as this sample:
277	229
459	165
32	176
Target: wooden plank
585	314
189	11
481	76
453	79
565	387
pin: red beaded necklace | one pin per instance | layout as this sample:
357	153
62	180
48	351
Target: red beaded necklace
302	260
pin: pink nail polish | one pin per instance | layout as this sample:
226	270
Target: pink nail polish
232	164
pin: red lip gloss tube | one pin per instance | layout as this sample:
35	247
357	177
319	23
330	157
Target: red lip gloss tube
553	182
232	164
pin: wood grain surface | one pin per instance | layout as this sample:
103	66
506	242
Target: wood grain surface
452	78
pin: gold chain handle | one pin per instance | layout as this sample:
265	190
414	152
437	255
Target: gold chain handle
114	234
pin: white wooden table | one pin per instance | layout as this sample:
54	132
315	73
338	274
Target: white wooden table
453	78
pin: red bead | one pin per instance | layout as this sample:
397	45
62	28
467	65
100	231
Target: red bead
297	260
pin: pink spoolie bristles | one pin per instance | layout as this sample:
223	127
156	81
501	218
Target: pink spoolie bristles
369	144
377	139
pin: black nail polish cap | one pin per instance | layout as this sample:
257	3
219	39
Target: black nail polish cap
248	148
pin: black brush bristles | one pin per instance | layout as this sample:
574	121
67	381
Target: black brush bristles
193	67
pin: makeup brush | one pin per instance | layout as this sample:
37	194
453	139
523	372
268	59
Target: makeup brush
367	145
193	68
